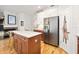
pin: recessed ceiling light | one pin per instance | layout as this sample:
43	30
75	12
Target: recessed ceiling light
39	7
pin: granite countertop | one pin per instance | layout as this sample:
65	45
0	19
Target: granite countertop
27	34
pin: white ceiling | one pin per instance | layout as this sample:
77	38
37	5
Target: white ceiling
29	9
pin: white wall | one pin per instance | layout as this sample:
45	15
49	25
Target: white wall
72	16
27	21
6	13
19	16
70	47
71	13
75	24
47	13
1	13
34	18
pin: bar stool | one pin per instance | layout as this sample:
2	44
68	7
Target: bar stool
10	44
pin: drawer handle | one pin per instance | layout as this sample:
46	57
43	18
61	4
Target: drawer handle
36	41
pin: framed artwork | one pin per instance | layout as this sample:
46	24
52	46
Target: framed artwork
22	23
11	19
65	30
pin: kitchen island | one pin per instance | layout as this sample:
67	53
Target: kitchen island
27	42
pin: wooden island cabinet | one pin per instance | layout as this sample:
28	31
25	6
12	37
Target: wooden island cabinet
25	44
77	44
43	34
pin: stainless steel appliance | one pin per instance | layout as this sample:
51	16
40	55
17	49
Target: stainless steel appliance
51	30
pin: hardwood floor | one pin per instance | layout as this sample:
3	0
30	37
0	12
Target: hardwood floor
49	49
6	47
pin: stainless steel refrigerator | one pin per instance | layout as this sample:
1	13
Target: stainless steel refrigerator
51	30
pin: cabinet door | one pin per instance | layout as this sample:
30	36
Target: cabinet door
24	46
34	45
19	46
42	35
15	43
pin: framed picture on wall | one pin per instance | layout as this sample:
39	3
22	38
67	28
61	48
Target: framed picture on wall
22	23
11	19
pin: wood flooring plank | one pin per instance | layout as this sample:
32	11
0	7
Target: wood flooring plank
6	47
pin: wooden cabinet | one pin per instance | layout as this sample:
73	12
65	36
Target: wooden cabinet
24	45
34	44
42	35
78	45
17	44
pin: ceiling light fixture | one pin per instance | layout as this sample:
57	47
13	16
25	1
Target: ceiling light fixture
39	7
